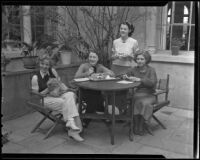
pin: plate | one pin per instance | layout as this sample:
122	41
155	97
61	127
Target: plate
109	79
81	79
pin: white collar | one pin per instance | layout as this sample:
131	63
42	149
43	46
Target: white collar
42	74
123	40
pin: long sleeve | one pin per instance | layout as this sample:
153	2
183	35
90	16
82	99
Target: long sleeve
81	73
34	83
106	70
150	80
130	71
55	73
136	47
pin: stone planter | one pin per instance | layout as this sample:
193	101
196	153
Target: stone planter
175	50
66	57
30	62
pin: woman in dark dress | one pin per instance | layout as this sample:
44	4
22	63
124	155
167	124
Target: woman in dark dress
93	99
143	96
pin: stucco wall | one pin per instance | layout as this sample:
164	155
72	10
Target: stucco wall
181	84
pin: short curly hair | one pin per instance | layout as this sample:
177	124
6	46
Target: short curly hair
130	27
145	54
44	57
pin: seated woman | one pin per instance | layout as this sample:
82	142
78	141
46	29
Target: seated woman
93	99
64	102
143	95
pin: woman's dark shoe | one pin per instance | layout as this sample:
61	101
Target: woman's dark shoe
86	123
141	133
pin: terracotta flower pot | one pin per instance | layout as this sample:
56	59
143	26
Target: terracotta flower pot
175	50
30	62
66	57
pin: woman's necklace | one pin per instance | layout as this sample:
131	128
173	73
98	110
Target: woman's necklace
124	40
142	69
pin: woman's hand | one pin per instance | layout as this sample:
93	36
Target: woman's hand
114	57
134	79
131	78
90	71
45	92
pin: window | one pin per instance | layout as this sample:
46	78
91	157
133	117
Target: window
11	23
37	22
178	21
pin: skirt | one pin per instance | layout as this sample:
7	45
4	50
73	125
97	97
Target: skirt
118	70
143	104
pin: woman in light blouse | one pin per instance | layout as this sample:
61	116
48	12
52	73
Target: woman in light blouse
65	103
123	49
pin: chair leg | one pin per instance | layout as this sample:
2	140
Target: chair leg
50	130
156	119
38	124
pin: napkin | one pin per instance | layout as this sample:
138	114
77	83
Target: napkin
124	82
81	79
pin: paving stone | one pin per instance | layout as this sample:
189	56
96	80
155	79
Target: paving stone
98	134
188	124
169	109
177	147
182	136
184	113
22	122
71	147
37	143
172	121
174	142
11	147
127	148
173	155
157	151
164	141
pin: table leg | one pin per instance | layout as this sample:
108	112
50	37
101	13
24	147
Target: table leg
79	101
113	119
106	103
131	124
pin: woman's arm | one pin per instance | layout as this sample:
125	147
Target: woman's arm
55	73
81	73
107	71
35	86
151	80
136	47
114	54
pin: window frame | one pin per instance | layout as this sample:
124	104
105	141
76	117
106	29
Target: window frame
164	15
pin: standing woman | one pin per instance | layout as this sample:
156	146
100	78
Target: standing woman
124	49
65	103
143	96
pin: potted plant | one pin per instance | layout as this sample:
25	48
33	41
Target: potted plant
176	44
45	45
71	48
4	62
30	55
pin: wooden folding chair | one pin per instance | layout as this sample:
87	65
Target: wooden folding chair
37	103
162	89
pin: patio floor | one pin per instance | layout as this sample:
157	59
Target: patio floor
174	142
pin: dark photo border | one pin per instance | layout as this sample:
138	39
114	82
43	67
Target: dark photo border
120	3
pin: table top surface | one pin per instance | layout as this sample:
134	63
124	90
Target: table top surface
106	85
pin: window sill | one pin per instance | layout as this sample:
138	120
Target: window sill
165	56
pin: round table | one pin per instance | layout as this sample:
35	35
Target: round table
108	87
